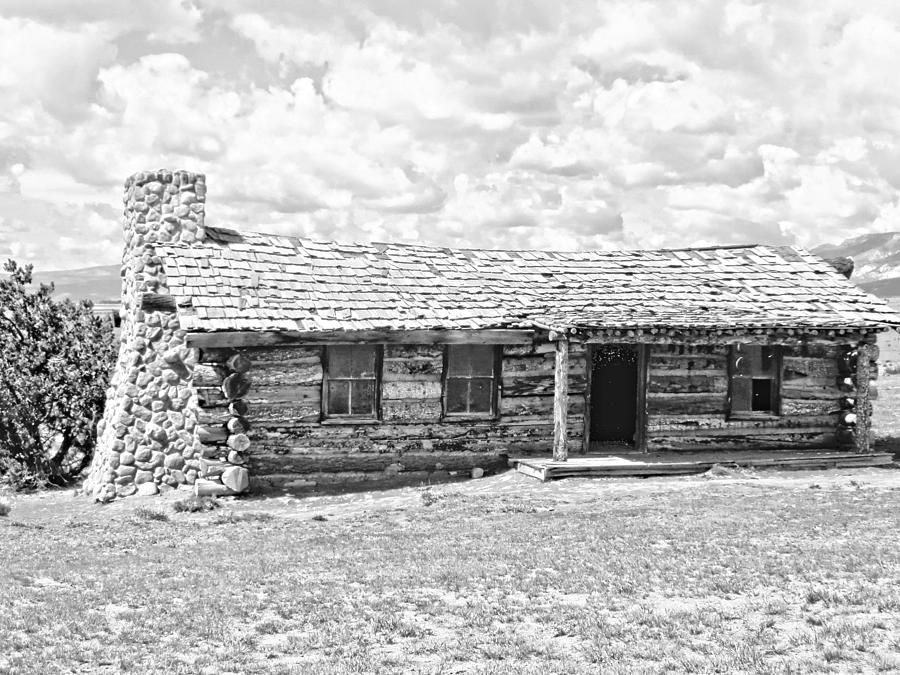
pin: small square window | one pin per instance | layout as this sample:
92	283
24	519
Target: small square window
351	381
755	379
470	386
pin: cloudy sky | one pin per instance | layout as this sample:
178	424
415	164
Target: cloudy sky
515	123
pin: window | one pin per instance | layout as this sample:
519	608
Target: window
755	379
351	380
470	384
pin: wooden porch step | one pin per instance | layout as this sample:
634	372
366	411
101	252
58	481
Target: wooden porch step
661	464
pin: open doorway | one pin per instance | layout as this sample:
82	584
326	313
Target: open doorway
614	397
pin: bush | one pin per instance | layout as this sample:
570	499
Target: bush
5	506
144	513
194	504
55	363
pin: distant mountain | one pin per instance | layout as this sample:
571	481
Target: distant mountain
98	284
876	260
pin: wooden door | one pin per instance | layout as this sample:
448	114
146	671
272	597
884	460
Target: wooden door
614	397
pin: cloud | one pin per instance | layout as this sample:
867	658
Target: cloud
58	236
167	21
299	44
59	72
638	123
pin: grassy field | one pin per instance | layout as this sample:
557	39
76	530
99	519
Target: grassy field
886	408
791	572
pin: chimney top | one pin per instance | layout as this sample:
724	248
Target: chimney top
164	207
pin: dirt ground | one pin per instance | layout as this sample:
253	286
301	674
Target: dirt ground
729	571
46	507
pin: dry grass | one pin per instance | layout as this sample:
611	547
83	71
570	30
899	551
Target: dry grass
886	409
231	517
630	576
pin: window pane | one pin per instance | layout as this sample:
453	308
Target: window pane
762	394
469	360
339	361
459	359
482	360
768	357
338	403
457	393
362	361
741	393
363	398
351	361
480	395
745	359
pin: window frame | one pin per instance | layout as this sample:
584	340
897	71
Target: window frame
776	378
496	373
328	417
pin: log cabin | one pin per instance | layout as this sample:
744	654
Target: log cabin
251	359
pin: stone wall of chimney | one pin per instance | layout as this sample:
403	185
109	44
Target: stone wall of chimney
147	437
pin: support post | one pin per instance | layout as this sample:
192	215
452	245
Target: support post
863	418
561	401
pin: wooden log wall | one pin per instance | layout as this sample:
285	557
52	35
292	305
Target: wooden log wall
687	400
269	419
288	436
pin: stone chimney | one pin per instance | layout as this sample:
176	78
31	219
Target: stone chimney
164	206
146	439
844	265
160	207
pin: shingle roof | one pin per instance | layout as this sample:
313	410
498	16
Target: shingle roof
251	281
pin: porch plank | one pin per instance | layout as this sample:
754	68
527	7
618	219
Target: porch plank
670	463
533	471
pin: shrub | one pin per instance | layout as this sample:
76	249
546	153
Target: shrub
194	504
55	362
5	506
145	513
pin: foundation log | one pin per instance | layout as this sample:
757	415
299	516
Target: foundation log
210	488
235	386
238	363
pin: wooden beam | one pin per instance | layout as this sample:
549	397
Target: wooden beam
712	338
862	398
270	338
561	401
643	384
265	463
589	374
